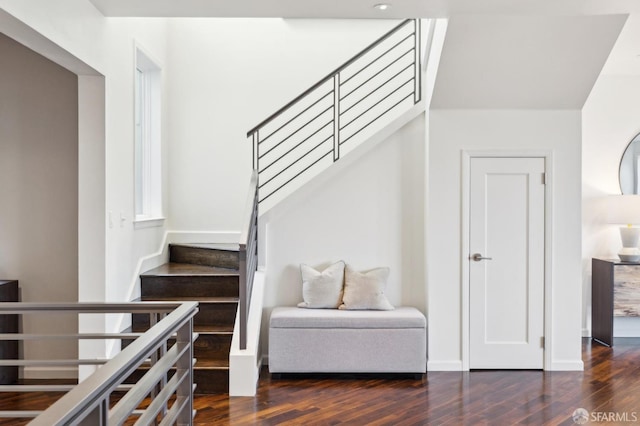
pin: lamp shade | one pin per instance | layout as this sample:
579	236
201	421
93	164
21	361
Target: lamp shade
623	209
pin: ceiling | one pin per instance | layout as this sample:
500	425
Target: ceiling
624	58
530	69
358	8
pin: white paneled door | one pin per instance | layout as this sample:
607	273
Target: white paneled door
506	263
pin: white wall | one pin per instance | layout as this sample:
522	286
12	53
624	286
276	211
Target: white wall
39	187
227	75
222	77
75	34
450	132
610	120
369	214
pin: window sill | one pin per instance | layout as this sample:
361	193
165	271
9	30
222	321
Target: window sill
152	222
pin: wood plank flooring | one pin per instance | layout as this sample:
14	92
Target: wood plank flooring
609	389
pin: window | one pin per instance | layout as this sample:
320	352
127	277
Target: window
148	177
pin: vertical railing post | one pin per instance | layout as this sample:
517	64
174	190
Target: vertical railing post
336	117
256	139
185	363
162	351
98	416
256	212
154	318
417	82
242	258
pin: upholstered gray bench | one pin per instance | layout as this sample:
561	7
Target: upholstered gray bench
344	341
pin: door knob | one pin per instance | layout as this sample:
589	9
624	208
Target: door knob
477	257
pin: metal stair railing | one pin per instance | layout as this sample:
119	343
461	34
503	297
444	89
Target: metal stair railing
165	347
339	112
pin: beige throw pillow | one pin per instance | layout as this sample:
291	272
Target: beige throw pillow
322	289
365	290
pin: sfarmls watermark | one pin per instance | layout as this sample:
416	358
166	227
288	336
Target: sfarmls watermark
581	416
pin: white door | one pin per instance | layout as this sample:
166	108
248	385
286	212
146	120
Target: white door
506	235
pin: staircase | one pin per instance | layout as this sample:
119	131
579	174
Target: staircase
208	274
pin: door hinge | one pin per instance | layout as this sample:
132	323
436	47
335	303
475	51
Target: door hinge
544	178
542	342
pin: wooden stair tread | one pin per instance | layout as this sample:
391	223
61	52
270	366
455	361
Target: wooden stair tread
212	300
201	364
211	364
211	246
200	329
213	329
188	269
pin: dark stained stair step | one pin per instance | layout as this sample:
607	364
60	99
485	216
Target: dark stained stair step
140	324
189	282
213	346
212	311
211	364
188	269
221	255
200	300
210	379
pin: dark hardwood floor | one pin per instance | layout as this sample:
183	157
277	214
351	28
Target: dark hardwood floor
609	389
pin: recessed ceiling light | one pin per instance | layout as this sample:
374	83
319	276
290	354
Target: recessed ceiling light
382	6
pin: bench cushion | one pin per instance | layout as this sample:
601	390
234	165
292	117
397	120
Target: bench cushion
292	317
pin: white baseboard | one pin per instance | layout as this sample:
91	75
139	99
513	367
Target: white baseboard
50	373
444	366
626	327
568	365
586	332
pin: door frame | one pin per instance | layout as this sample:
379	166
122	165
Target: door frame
466	156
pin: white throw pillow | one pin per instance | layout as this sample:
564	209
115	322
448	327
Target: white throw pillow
365	290
322	289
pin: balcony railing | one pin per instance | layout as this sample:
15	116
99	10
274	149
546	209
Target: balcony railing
338	113
105	397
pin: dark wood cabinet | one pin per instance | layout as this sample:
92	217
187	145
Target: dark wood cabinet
615	291
9	324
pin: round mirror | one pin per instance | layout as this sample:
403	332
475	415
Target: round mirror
629	174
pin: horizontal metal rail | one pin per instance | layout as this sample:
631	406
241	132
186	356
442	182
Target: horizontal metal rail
87	308
78	336
89	401
329	76
368	85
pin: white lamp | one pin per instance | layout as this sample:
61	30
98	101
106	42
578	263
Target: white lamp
625	210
